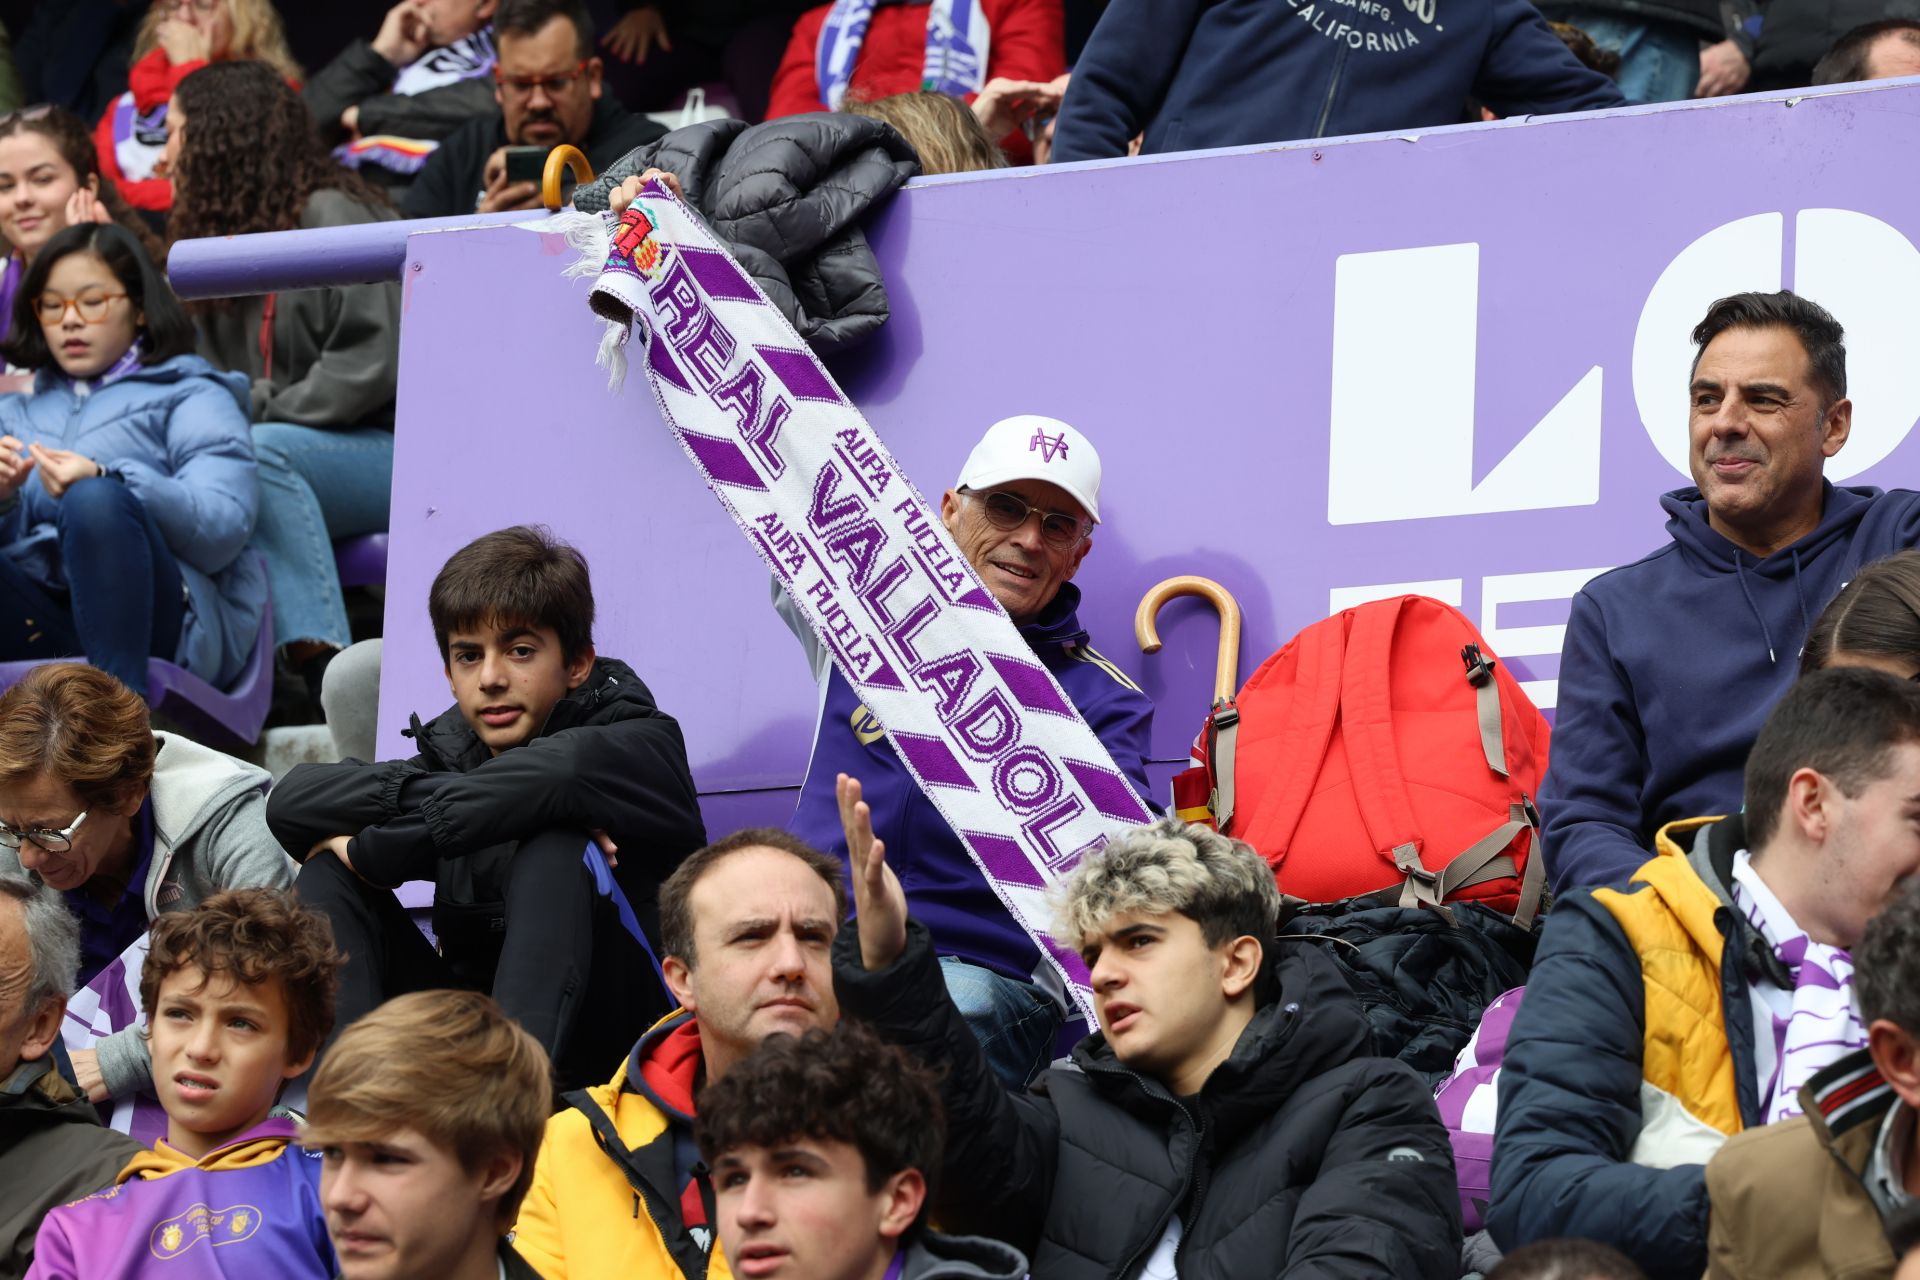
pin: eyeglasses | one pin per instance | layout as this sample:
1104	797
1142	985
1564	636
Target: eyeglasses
91	307
523	86
51	841
1006	510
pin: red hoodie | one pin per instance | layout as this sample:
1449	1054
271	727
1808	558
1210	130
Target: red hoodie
1028	43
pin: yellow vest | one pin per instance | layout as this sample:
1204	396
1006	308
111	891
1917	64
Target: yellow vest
1689	1103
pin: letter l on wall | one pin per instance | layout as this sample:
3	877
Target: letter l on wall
1402	436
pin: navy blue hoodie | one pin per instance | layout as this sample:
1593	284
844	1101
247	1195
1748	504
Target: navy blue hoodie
1671	665
1193	74
948	891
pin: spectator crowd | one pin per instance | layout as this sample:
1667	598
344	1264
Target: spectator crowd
618	1044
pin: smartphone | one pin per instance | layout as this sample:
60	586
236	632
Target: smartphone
527	164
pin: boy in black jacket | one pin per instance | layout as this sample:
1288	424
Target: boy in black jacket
552	760
1227	1120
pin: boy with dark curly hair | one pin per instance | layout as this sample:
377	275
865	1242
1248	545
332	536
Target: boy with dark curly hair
238	995
822	1149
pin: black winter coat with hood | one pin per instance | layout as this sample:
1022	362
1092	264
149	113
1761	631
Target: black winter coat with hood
608	759
1303	1155
787	197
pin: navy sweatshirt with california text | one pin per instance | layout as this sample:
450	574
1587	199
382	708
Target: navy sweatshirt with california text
1671	665
1196	74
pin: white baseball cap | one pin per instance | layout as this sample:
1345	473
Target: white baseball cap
1029	446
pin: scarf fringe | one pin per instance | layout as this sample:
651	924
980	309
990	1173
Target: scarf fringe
588	236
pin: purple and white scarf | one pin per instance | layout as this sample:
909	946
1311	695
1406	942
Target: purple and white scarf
983	728
1815	1024
139	137
957	42
437	68
129	361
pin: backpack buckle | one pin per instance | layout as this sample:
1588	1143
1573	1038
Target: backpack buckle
1479	665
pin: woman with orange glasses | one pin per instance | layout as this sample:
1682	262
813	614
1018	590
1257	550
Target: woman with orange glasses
127	481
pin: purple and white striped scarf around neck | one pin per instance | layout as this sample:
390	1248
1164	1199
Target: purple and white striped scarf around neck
957	42
126	364
1822	1026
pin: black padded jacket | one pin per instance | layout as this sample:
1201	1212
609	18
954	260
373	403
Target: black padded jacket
1303	1155
787	197
608	758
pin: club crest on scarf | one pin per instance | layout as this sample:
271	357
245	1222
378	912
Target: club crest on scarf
634	246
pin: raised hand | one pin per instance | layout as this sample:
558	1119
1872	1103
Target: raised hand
405	34
879	903
622	196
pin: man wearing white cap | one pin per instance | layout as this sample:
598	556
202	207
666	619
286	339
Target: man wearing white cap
1023	513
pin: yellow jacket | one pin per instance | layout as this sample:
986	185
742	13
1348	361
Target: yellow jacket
607	1204
1689	1100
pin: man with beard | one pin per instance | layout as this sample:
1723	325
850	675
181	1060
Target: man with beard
1671	663
547	83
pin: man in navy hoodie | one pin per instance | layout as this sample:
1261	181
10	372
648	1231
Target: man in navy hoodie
1023	513
1672	663
1190	74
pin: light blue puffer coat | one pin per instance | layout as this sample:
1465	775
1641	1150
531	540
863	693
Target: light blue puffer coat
177	433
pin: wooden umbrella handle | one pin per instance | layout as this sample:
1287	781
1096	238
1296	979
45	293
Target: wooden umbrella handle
1226	666
559	160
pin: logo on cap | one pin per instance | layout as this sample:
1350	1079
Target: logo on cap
1049	447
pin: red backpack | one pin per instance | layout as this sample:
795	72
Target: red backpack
1382	748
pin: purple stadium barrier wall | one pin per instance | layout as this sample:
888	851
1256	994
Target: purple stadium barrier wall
1452	362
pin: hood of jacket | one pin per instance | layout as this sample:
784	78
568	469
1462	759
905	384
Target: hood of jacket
1775	614
787	197
192	784
937	1257
1309	1023
1702	850
610	693
664	1067
1059	623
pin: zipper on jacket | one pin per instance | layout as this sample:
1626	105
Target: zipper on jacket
1186	1179
1333	87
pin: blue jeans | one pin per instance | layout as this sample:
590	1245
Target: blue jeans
125	600
1659	61
316	484
1014	1021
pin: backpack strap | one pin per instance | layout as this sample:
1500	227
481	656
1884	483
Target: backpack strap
1486	695
1483	860
1223	726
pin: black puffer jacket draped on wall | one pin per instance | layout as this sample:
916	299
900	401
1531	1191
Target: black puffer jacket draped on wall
787	197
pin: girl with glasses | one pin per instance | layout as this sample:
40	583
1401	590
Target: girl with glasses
49	179
126	823
177	39
127	481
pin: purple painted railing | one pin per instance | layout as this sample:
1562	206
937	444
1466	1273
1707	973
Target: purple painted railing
231	266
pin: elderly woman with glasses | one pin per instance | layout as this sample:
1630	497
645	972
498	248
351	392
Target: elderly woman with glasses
126	823
127	480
